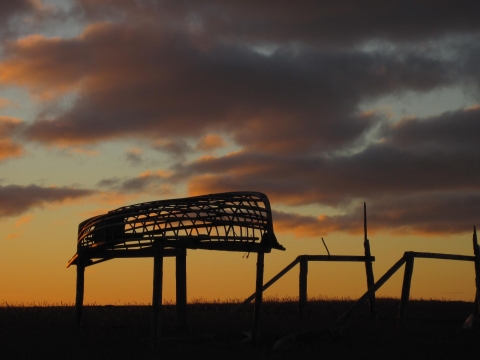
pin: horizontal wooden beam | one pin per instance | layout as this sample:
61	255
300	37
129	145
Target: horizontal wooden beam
336	258
107	254
230	246
443	256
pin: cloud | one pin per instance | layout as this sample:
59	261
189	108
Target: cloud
13	236
4	103
299	99
178	148
134	157
452	131
210	142
23	220
11	8
344	22
427	215
286	83
8	147
155	182
415	156
16	200
36	62
21	16
421	178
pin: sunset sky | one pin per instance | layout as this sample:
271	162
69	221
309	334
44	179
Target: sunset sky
321	105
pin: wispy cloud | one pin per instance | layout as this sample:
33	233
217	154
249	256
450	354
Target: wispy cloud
210	142
9	148
16	200
153	182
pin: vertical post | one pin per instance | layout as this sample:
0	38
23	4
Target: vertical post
476	252
181	288
80	287
302	282
368	265
258	299
407	282
157	290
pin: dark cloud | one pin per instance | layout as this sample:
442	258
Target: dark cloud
147	182
178	148
422	177
299	99
16	200
343	22
9	148
21	17
12	8
109	183
451	132
134	157
427	214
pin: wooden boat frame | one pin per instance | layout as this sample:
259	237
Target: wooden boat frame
231	221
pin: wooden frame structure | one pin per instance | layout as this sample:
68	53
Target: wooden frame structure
303	260
232	221
408	259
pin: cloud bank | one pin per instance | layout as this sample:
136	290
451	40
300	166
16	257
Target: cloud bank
16	200
287	84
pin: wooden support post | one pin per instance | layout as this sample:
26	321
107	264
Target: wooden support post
368	265
407	281
476	252
302	283
258	299
157	291
181	288
80	288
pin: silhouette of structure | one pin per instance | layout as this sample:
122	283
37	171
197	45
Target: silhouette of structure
303	261
408	259
232	221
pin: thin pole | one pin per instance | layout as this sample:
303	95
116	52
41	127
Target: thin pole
407	282
302	296
368	265
476	252
181	288
258	299
79	288
157	291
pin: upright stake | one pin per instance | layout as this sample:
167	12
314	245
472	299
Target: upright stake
258	299
181	288
157	290
476	252
80	287
407	281
368	264
302	296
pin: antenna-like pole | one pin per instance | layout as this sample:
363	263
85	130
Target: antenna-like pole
476	310
365	221
368	264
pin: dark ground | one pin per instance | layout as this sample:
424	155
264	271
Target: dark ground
433	331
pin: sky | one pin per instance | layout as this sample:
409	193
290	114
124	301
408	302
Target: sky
320	105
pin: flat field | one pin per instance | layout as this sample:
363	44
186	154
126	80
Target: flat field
433	331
